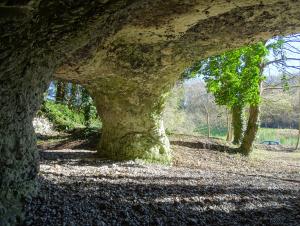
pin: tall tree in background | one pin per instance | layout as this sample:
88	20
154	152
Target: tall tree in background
234	79
298	139
73	103
206	103
254	59
221	76
237	122
227	78
87	106
229	125
285	55
75	97
60	91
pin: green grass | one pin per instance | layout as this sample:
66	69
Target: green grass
214	131
65	118
285	136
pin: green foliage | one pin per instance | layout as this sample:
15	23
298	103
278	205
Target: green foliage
62	117
234	77
88	107
72	107
276	46
65	118
237	123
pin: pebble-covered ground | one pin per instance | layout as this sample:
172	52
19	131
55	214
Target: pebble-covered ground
203	187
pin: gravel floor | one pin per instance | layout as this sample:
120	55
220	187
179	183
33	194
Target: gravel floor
203	187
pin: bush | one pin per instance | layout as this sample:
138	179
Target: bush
64	118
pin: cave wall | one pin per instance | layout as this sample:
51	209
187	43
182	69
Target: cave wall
128	54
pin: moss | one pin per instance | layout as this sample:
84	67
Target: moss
237	123
135	146
132	126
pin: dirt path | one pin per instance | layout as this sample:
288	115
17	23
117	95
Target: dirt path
203	187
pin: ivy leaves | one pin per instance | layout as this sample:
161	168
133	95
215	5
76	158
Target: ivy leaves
233	77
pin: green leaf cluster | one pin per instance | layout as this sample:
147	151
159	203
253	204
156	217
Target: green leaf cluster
234	77
65	118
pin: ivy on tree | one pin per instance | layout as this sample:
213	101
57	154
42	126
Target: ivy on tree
234	79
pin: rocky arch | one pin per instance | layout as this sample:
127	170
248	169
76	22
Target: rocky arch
127	53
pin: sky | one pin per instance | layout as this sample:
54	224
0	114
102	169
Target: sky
272	70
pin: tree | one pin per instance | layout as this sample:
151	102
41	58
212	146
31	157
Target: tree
73	96
221	76
60	91
298	139
87	106
237	123
229	127
234	78
285	55
254	59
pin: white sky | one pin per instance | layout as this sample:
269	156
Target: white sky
272	70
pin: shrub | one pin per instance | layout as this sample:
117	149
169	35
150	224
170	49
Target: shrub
65	118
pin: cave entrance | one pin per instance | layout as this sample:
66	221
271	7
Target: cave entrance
67	124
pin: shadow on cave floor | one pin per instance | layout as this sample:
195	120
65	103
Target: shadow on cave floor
204	145
202	187
129	193
78	139
87	139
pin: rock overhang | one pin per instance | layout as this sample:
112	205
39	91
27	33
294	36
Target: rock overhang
149	42
128	53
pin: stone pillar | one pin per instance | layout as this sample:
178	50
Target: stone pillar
132	127
20	96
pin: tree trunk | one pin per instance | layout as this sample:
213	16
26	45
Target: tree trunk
86	106
73	95
208	124
237	123
60	91
253	120
298	140
207	121
250	133
229	127
132	128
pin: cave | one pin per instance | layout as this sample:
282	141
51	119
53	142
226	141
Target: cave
128	54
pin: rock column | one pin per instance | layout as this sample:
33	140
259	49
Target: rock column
132	126
21	94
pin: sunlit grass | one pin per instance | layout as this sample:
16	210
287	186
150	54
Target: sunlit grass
285	136
258	154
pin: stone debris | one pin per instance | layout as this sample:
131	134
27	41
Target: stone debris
216	189
42	126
